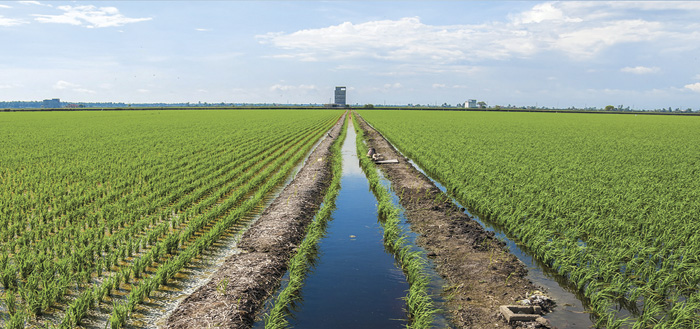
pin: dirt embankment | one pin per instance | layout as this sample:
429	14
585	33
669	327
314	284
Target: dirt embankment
480	272
238	289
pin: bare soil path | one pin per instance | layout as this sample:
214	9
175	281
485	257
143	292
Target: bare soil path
481	273
238	289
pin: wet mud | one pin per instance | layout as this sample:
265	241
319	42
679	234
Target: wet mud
238	289
480	272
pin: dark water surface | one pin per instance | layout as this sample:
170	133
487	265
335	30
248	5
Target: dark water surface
355	283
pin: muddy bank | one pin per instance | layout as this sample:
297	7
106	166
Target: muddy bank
238	289
481	273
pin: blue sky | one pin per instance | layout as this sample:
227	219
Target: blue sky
556	54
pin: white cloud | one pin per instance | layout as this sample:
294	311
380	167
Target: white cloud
439	85
202	30
395	85
580	30
5	6
36	3
65	85
589	41
543	12
693	86
143	90
640	70
89	16
396	40
654	5
280	87
84	90
11	21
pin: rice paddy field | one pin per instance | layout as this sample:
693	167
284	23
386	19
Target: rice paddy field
98	209
611	202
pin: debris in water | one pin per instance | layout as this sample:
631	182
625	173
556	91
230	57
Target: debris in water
538	298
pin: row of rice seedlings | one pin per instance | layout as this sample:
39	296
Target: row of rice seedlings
419	303
172	266
300	264
615	219
31	289
168	246
38	300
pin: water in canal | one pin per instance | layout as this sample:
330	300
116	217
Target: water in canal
355	282
571	311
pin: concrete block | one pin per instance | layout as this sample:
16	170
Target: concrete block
520	313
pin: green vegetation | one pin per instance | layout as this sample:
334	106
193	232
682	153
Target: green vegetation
100	204
419	303
609	201
301	263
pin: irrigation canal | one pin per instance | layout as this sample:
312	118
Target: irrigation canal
355	283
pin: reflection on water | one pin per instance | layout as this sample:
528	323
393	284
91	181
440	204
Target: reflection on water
354	283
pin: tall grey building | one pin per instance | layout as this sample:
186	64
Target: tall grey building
53	103
340	96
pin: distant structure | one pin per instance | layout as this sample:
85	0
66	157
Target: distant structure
340	96
51	103
470	104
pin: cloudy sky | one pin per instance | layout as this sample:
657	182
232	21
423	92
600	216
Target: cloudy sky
556	54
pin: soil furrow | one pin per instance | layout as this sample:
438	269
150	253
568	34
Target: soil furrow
241	285
481	273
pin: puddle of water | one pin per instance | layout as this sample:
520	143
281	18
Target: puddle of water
354	283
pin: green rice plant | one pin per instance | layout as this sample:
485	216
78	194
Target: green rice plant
10	302
103	198
16	321
119	314
607	201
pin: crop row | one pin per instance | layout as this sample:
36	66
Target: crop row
608	201
95	220
301	263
